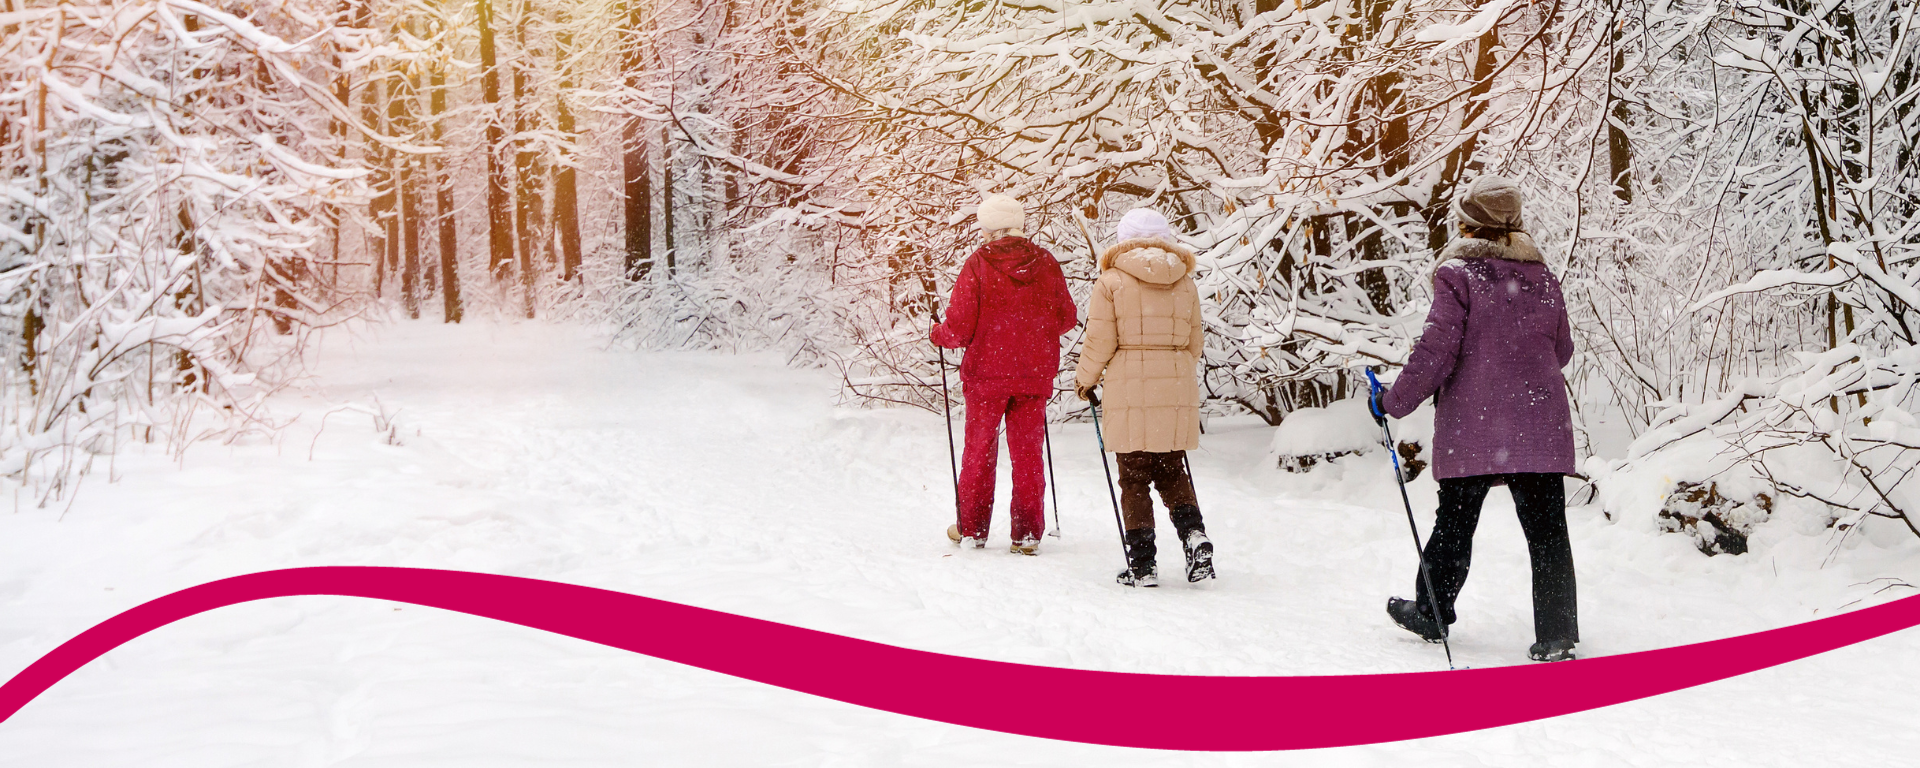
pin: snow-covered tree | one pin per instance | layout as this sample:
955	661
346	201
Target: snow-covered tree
167	176
1308	149
1809	156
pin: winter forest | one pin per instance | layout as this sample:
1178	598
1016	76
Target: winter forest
196	190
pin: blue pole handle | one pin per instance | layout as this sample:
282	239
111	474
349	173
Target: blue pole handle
1373	400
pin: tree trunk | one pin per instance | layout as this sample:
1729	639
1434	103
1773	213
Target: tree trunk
566	214
401	116
666	192
1619	152
638	186
449	235
379	159
499	218
1387	142
191	298
343	93
1438	233
526	192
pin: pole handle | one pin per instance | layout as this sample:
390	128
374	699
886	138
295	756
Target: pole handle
1374	391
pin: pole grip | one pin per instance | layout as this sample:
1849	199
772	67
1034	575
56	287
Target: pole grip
1373	397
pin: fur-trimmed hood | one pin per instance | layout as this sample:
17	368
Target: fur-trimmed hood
1518	246
1151	260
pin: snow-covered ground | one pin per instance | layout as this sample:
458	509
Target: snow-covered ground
734	483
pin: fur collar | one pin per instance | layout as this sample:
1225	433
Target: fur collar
1106	258
1518	247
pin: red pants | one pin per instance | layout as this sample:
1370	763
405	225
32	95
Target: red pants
1026	417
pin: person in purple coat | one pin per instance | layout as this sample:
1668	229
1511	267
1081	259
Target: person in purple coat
1490	357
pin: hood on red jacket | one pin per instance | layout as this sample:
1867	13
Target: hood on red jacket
1017	258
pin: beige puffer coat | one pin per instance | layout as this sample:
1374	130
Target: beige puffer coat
1144	334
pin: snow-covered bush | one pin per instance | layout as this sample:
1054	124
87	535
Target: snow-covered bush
1821	192
1841	432
1311	437
784	305
1717	524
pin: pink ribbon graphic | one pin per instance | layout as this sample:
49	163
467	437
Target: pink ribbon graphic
1246	713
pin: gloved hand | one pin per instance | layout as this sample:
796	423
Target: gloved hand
1084	392
1374	392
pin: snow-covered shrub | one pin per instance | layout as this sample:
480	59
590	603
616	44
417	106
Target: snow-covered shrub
1310	437
1717	524
1840	433
736	306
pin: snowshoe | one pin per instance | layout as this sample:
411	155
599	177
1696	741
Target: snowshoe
1027	546
1551	650
1199	555
1148	578
1408	615
953	535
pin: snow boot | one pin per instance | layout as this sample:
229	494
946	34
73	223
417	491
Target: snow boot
1148	578
1141	570
1199	555
1413	618
1027	546
1193	541
953	534
1551	650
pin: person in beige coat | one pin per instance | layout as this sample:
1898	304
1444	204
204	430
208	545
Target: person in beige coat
1144	345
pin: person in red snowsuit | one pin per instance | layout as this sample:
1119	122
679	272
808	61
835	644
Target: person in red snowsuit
1009	308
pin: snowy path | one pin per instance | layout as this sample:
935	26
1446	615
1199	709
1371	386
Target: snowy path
734	483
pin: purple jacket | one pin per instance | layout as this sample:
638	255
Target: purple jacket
1490	356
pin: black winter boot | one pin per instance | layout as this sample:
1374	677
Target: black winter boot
1414	618
1193	541
1141	569
1551	650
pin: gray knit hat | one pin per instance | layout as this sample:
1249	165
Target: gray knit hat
1489	202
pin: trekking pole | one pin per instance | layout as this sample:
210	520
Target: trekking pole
953	464
1052	484
1433	597
1125	551
946	406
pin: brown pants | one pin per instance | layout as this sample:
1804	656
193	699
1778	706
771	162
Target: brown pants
1165	471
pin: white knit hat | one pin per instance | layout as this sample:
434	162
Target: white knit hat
1143	222
1002	212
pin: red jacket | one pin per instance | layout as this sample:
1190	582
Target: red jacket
1009	309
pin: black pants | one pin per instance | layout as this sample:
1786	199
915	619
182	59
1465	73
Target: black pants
1541	501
